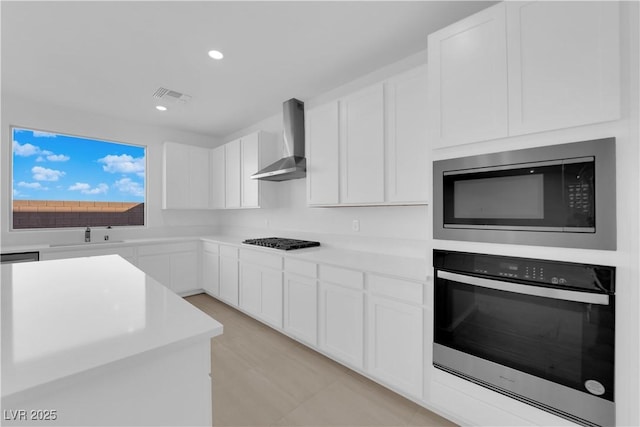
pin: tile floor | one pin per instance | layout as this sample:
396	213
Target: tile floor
263	378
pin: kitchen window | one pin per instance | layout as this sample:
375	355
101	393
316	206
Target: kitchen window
62	181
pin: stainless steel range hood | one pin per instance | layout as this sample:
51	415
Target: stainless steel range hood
293	165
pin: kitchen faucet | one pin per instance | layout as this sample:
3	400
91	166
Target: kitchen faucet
87	234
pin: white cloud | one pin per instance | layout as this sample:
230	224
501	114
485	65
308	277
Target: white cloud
41	134
16	193
85	188
44	174
33	185
57	158
122	164
25	150
126	185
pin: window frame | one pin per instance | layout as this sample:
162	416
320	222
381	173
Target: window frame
10	222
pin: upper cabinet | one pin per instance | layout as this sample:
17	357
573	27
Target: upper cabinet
564	64
185	177
370	147
219	178
468	79
244	157
524	67
362	146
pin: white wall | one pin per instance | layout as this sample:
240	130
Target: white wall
398	229
31	114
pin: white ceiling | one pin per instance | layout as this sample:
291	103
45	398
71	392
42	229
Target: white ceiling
110	57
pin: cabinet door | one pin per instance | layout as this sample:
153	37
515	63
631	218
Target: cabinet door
395	342
217	174
158	266
210	272
199	178
250	288
229	280
342	323
301	308
249	165
323	152
271	297
407	145
175	176
184	272
564	64
467	64
362	146
232	174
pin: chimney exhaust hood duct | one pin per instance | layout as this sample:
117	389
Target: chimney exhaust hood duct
293	165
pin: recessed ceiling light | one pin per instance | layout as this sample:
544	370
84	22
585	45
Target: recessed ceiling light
161	108
216	54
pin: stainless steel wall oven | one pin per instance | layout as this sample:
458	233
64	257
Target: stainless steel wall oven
560	195
540	331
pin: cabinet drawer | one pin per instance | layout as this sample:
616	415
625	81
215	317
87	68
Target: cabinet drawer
211	247
396	288
340	276
166	248
229	251
303	268
261	258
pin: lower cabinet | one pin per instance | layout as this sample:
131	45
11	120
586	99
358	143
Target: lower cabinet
301	307
175	265
261	293
229	275
394	343
210	268
341	318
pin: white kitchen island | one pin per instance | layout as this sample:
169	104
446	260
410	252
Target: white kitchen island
95	341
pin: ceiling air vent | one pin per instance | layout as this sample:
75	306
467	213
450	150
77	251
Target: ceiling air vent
171	95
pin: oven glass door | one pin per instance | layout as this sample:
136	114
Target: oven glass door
567	342
543	196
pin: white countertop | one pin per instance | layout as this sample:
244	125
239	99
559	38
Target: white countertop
63	317
414	268
400	266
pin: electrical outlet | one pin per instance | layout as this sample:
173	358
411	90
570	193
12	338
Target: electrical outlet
355	225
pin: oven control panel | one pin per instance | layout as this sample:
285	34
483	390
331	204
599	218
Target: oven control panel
548	273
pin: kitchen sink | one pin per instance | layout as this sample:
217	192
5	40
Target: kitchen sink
98	243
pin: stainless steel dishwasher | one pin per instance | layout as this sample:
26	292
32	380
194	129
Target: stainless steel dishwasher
13	257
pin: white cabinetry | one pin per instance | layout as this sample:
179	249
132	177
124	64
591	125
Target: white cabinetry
301	300
395	332
185	177
175	265
406	148
524	67
210	268
323	151
244	157
341	314
217	178
370	148
229	275
563	60
261	286
362	146
468	79
232	174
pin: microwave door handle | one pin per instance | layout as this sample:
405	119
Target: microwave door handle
584	297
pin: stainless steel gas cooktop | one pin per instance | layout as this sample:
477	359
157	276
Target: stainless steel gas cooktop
281	243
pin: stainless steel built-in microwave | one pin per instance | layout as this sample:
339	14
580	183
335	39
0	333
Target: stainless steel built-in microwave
560	195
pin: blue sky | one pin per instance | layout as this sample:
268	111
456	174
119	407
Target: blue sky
49	166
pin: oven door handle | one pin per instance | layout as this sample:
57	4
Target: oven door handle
576	296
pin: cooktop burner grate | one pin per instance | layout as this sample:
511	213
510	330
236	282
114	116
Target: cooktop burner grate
281	243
